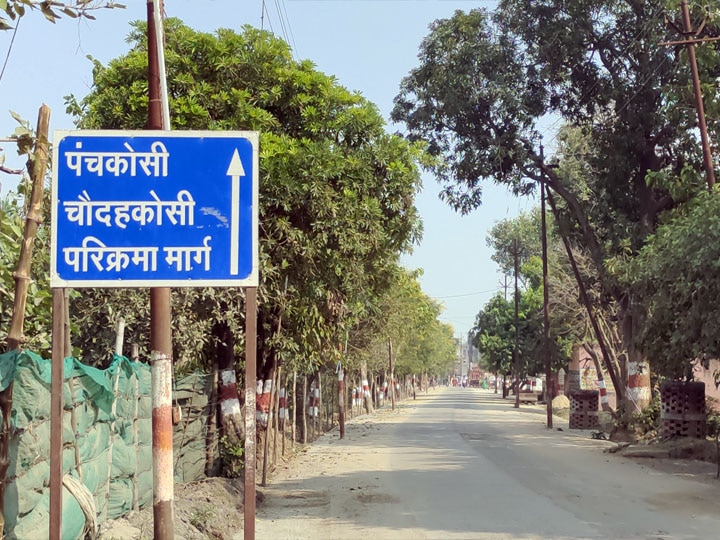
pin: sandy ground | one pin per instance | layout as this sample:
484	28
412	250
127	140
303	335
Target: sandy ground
297	503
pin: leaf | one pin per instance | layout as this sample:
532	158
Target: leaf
19	119
49	14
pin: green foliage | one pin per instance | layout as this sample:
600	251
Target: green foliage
406	319
675	276
201	516
336	193
713	424
494	332
231	457
38	309
648	420
627	153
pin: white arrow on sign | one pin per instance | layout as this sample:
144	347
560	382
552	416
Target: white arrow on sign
235	170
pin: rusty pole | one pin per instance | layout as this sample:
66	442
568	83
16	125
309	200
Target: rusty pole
160	336
56	408
250	381
700	108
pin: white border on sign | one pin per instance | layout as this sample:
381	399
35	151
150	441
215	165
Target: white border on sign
250	281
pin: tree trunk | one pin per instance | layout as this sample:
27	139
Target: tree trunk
269	425
293	432
276	400
573	374
303	410
231	419
319	406
367	397
392	374
601	379
638	395
211	424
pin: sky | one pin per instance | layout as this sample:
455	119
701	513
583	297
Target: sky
368	45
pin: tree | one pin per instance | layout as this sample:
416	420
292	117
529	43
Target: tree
337	192
494	335
486	80
676	276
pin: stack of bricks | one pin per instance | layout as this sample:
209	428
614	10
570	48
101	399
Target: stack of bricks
584	409
683	409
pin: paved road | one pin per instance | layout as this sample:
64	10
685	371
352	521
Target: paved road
464	464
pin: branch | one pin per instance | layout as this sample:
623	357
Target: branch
7	170
548	175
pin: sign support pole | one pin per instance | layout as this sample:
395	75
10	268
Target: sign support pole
56	409
250	382
160	337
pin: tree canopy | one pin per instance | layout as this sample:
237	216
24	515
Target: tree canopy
676	276
488	79
336	191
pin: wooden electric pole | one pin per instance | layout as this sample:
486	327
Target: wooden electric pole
690	39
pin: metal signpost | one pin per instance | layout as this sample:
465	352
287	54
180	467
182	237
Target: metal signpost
154	209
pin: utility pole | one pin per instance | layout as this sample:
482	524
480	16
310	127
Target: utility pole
546	307
504	285
690	39
160	332
516	349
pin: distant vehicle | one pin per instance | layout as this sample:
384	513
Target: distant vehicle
474	377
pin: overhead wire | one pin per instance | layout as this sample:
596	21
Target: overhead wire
266	12
10	48
292	36
466	294
283	20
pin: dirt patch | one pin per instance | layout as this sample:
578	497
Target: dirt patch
211	508
695	458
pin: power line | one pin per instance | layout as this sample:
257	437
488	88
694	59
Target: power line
12	40
283	30
292	36
266	12
466	294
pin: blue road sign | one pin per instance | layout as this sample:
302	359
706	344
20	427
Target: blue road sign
154	209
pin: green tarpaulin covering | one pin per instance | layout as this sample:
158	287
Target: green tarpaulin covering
107	441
